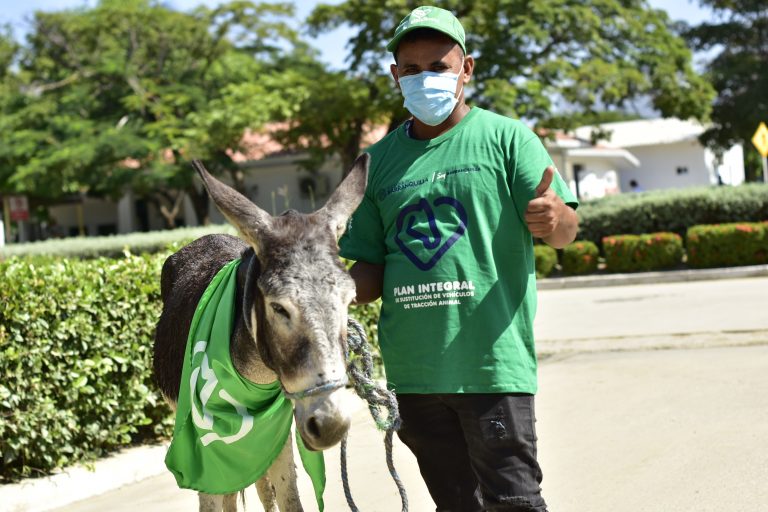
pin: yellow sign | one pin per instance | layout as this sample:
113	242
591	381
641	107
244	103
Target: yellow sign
760	139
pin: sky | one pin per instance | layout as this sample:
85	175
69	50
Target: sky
332	45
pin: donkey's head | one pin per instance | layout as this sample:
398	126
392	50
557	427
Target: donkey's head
296	297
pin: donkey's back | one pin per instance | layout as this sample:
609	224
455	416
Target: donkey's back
184	278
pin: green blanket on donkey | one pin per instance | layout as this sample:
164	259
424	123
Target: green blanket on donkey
228	430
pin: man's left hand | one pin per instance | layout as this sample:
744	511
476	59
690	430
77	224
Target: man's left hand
544	210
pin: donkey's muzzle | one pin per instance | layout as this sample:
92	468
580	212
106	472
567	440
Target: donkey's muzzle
322	421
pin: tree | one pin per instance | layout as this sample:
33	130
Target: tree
739	73
543	60
8	51
123	95
335	110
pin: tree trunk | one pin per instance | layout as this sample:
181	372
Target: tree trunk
238	180
200	202
162	201
396	121
753	164
352	147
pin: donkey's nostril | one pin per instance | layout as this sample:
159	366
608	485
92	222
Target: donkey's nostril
322	430
313	428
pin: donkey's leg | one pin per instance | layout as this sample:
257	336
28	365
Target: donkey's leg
230	503
210	502
282	474
266	494
217	502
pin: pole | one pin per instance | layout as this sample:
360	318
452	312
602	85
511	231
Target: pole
80	219
765	169
7	218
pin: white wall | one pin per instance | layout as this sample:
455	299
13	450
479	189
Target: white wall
264	177
273	184
732	168
126	222
96	213
188	212
565	168
597	178
658	166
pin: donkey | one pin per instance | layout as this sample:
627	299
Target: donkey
290	319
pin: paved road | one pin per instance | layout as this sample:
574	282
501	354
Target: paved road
729	305
372	487
651	431
632	431
656	431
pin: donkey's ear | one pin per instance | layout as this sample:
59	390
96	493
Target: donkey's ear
345	200
248	218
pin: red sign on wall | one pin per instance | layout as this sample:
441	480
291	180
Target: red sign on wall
19	208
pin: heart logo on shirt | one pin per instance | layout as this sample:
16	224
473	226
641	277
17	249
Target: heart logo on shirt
434	240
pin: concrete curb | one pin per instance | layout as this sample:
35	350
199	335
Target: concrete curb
671	276
78	483
547	350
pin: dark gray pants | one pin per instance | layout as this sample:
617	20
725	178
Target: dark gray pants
476	452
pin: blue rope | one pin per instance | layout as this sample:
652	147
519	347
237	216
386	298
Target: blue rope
328	386
377	398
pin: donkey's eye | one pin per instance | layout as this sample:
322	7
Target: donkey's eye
280	310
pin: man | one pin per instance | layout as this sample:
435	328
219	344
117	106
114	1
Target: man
444	236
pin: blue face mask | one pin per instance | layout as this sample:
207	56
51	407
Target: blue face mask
430	96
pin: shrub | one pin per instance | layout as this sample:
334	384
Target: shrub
671	210
368	316
728	245
546	258
75	352
630	253
113	245
580	258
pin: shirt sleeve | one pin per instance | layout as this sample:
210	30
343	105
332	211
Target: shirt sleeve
530	161
363	239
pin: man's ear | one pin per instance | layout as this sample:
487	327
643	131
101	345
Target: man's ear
393	70
468	68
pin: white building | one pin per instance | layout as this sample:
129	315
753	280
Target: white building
654	153
274	180
275	184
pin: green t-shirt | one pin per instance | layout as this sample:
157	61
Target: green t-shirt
446	218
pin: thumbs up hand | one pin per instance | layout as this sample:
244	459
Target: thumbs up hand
543	212
546	181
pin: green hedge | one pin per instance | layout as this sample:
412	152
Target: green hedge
368	316
580	258
114	245
75	359
75	352
546	259
671	210
632	253
728	245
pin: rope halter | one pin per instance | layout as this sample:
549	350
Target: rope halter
325	387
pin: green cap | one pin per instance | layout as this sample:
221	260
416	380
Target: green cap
433	18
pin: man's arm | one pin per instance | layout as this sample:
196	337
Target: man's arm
548	217
369	280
